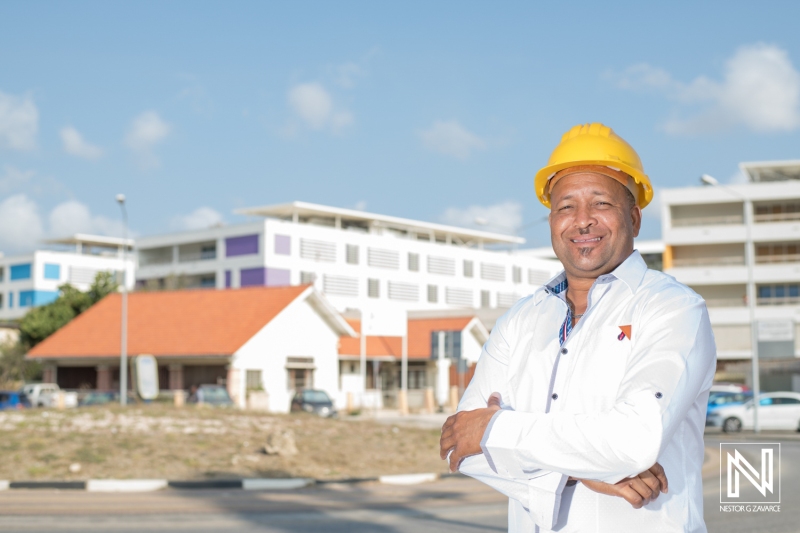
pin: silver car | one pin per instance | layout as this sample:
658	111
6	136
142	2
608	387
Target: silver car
777	410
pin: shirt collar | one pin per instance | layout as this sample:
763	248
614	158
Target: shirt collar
631	272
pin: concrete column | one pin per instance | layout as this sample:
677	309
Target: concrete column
104	381
175	377
442	373
50	374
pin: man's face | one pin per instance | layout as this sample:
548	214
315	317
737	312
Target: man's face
592	223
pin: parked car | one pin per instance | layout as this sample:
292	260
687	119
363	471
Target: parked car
211	395
729	387
777	410
46	395
103	398
13	400
313	401
719	399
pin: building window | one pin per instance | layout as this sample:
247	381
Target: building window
283	244
209	281
433	294
486	299
10	300
516	274
373	288
228	280
493	272
468	269
318	250
779	294
52	271
403	291
537	277
413	262
300	373
254	380
21	271
452	344
382	258
441	265
307	278
208	251
250	277
244	245
351	252
459	297
1	300
2	273
36	298
340	285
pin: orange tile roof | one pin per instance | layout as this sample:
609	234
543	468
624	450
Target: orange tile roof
419	338
171	323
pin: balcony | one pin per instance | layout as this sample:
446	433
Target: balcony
733	260
726	302
777	258
786	300
715	220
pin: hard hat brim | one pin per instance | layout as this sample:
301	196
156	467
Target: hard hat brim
641	179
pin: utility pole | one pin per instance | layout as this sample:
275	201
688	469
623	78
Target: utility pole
123	351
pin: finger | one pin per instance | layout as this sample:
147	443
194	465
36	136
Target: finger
658	471
495	400
455	459
651	481
632	497
445	445
641	487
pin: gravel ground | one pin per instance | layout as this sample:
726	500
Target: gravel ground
159	441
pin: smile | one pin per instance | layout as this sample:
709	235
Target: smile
586	241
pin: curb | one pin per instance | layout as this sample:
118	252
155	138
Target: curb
149	485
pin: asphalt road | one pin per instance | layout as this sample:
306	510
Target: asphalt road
453	505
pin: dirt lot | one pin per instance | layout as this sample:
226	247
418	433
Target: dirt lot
201	443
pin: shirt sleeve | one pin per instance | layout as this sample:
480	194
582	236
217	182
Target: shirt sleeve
538	491
671	364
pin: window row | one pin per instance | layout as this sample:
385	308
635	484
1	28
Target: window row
32	298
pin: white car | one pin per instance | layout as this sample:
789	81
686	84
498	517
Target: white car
777	410
46	395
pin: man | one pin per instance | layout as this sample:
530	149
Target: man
586	388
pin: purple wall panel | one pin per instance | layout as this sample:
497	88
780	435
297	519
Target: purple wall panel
283	244
228	279
250	277
244	245
277	277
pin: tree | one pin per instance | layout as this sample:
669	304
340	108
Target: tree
41	322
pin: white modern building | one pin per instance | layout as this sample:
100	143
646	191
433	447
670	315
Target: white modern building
357	259
33	279
707	231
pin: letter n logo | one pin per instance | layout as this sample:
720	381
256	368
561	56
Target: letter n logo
741	473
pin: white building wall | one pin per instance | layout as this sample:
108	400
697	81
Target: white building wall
298	331
397	284
729	316
74	268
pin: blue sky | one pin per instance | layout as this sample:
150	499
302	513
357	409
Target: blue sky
441	111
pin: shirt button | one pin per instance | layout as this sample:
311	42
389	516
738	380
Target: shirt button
564	351
554	396
659	395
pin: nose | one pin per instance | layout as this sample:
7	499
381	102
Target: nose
584	219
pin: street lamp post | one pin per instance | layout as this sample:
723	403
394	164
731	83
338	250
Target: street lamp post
751	290
123	350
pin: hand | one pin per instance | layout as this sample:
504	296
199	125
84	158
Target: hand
462	432
638	491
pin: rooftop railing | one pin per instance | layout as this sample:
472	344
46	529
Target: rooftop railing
731	260
716	220
776	217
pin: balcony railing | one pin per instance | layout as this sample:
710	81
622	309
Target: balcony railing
785	300
776	217
726	302
147	260
779	258
731	260
206	255
717	220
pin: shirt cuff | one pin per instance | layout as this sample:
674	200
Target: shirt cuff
485	438
502	439
544	498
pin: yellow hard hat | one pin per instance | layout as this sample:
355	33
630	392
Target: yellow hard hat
594	144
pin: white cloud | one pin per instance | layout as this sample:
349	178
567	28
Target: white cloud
504	217
19	122
146	131
452	139
71	217
760	91
76	145
314	106
14	178
361	205
200	218
20	224
346	74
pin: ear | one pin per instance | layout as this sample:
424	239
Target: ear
636	219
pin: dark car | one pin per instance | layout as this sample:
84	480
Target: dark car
13	400
102	398
313	401
211	395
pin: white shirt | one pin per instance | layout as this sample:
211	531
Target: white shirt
602	406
